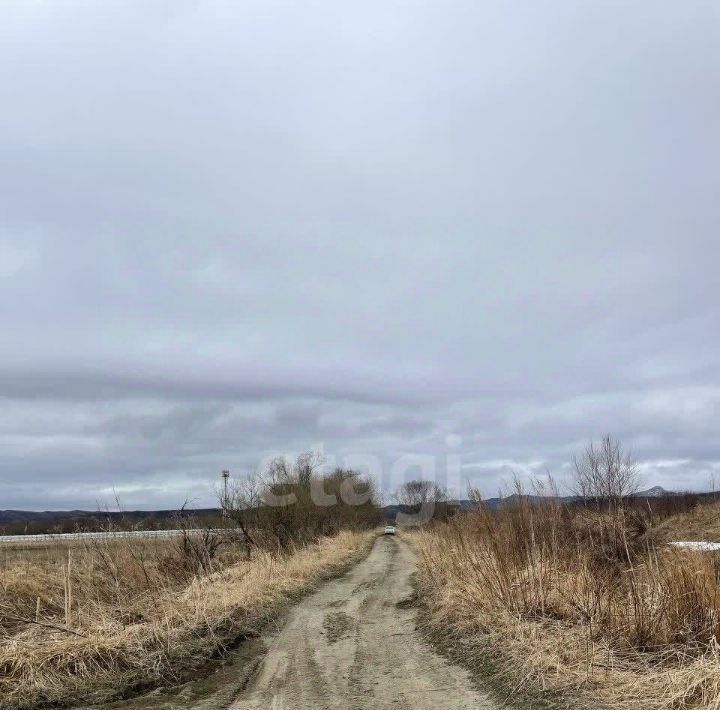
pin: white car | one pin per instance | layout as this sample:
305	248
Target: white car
389	530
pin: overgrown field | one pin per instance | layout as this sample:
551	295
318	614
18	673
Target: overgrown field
105	617
100	618
587	600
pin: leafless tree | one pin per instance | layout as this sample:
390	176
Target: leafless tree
605	472
278	472
414	493
307	465
241	504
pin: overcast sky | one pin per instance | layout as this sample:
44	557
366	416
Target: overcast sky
229	229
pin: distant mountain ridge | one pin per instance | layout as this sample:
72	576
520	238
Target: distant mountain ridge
655	492
56	516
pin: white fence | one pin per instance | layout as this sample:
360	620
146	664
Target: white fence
120	534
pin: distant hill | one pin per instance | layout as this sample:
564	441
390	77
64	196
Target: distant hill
14	522
655	492
37	521
21	516
493	503
14	516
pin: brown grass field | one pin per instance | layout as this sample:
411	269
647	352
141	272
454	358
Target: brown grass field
578	605
96	620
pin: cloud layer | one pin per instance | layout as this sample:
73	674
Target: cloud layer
233	229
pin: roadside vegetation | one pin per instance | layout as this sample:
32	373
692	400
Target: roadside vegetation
99	619
584	598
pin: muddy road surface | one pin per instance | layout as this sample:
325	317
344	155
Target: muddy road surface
353	645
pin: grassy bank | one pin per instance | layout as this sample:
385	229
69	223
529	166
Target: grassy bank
99	620
570	602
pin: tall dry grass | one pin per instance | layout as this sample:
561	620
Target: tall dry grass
580	599
98	619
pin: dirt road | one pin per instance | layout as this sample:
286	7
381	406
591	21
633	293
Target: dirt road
353	645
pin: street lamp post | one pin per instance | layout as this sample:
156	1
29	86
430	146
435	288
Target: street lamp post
225	476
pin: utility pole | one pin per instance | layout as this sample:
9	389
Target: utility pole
225	476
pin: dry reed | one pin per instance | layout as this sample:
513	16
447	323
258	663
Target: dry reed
578	599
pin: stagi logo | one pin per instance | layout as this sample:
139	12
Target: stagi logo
426	478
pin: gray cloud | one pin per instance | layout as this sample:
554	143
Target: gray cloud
233	229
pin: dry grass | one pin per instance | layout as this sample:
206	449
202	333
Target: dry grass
119	614
700	523
578	600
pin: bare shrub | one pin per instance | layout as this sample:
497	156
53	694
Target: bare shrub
294	503
605	473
